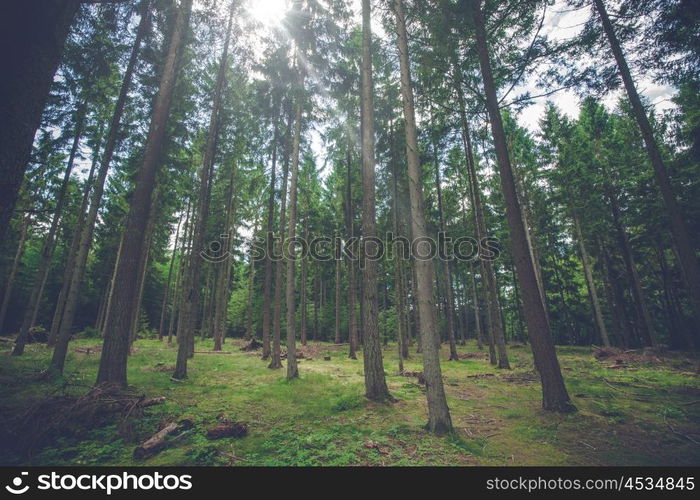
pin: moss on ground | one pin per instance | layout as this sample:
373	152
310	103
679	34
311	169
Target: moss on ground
646	413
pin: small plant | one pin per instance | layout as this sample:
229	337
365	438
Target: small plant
90	333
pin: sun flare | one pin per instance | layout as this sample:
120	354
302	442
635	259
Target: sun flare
267	12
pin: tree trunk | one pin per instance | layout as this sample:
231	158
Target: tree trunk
643	316
449	294
317	290
439	414
178	274
686	254
168	282
352	287
222	294
304	286
269	236
592	293
337	301
498	354
74	246
401	317
10	283
32	35
188	316
49	246
290	257
555	396
375	381
276	361
116	336
251	288
86	229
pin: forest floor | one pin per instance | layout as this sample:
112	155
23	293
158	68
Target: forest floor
644	410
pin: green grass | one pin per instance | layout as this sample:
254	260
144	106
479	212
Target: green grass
643	414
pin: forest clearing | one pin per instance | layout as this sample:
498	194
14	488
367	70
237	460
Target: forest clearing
350	232
643	411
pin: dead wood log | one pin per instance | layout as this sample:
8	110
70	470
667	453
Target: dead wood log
162	439
232	429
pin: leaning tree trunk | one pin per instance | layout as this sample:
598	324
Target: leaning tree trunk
554	394
592	292
498	354
115	348
686	255
85	232
439	414
375	381
32	35
74	245
640	304
49	246
188	316
10	283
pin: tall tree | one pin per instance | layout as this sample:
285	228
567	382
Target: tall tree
554	394
188	317
375	381
115	348
438	412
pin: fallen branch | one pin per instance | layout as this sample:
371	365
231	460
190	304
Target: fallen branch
160	440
